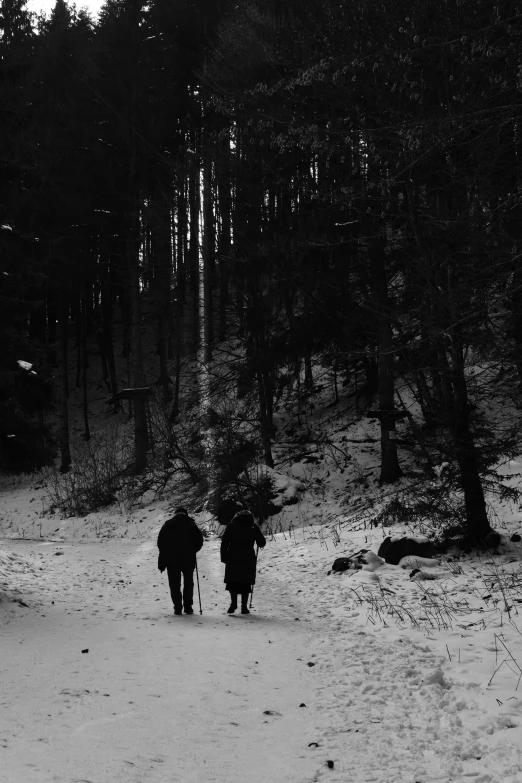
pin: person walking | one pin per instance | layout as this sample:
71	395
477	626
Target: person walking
237	552
178	542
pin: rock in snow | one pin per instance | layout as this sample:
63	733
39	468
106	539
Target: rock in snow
364	559
394	549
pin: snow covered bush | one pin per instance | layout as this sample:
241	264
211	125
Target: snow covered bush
96	475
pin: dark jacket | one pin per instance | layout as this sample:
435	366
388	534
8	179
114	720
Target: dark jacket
237	548
178	541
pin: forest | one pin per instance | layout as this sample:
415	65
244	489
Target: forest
221	206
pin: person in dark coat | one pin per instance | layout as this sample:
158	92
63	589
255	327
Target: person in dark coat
237	552
178	541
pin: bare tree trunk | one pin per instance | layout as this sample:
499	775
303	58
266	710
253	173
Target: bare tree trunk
37	322
447	296
141	443
417	432
77	316
162	283
181	257
193	271
103	359
85	366
63	353
259	352
107	336
265	419
224	236
390	468
308	372
52	316
476	515
208	257
335	371
126	307
178	305
516	309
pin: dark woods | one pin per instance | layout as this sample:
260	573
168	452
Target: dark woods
263	187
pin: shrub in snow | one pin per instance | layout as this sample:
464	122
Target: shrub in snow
225	509
286	489
256	494
96	475
263	490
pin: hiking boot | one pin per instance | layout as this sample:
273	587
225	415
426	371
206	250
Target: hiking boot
244	603
233	603
245	609
188	610
177	611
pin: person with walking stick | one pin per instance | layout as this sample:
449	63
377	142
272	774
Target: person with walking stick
199	591
252	593
178	542
237	552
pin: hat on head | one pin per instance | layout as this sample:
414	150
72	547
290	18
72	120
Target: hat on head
181	510
244	513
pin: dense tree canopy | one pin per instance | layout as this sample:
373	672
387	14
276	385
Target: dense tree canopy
302	182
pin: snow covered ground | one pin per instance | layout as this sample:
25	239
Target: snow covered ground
405	680
416	680
101	682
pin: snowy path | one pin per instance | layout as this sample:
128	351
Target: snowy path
156	697
184	699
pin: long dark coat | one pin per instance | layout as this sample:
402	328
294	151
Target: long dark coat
237	548
178	541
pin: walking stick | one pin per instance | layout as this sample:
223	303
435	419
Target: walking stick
199	592
252	593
